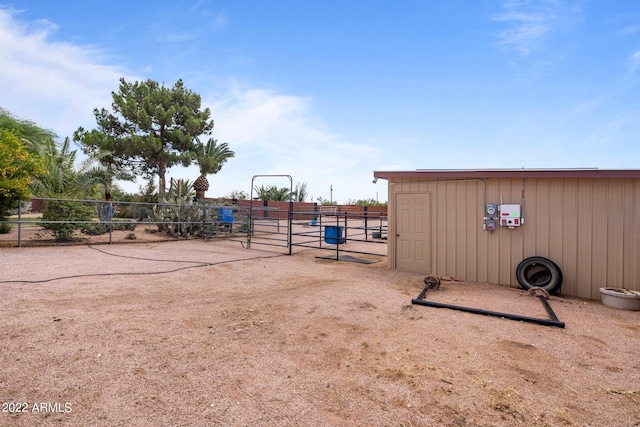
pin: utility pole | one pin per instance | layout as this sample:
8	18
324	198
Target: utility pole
330	193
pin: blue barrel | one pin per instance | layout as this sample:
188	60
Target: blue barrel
333	235
226	215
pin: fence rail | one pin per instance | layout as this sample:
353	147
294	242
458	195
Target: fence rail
334	231
64	221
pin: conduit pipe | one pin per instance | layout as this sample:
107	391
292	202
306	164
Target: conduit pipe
553	321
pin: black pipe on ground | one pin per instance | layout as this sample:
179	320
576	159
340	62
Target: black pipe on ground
544	322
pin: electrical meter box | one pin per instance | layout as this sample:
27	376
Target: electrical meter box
490	217
510	215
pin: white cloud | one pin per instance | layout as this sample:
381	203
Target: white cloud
55	84
278	134
220	20
176	37
629	30
634	61
587	106
525	32
530	23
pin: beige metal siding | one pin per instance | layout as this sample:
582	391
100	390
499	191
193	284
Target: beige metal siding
589	227
584	243
569	234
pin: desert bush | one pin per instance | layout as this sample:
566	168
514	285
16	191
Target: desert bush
62	217
5	228
99	228
177	220
138	211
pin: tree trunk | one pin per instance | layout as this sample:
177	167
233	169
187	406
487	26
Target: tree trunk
162	184
162	170
108	190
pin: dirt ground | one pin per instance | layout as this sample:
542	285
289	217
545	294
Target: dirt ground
193	334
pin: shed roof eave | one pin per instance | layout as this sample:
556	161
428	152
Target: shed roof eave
508	173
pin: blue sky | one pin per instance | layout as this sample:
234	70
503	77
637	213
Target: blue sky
329	91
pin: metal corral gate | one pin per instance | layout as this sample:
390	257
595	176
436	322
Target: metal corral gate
324	227
328	228
268	225
321	229
230	222
253	225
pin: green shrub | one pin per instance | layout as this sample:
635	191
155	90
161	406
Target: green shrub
5	228
94	229
101	228
69	213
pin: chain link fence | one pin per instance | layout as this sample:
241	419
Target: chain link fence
65	221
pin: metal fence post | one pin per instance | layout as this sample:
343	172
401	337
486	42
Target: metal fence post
110	222
290	226
338	237
204	218
179	223
366	222
19	222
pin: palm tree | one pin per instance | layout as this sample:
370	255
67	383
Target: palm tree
104	172
210	159
273	193
281	194
61	177
66	179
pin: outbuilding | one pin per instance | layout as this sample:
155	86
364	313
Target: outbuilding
479	225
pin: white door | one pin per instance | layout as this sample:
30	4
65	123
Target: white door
413	237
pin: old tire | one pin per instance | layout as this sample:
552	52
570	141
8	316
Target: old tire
539	272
